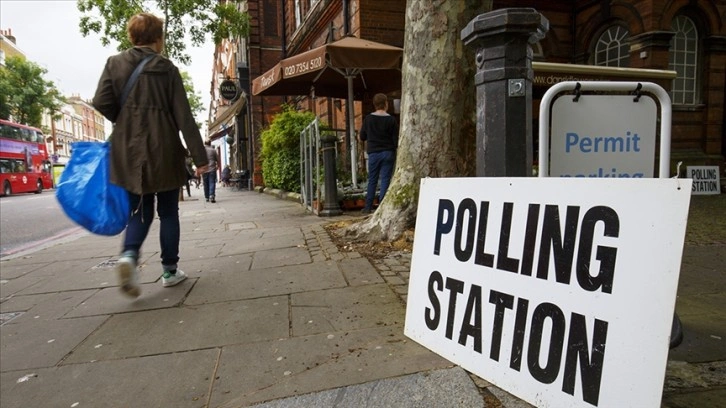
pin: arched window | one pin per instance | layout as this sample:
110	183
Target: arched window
613	47
684	60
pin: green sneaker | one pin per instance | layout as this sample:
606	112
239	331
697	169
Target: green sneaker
171	279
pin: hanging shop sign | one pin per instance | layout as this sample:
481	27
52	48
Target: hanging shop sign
228	89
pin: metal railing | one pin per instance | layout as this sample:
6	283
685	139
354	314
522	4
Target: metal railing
310	166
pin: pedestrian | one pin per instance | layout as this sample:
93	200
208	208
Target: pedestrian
209	177
190	173
147	156
226	175
380	132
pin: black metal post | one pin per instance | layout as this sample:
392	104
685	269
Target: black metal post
504	88
330	202
243	131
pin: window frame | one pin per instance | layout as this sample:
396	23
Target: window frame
621	37
685	61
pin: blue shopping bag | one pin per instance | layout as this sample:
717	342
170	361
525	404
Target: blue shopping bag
86	194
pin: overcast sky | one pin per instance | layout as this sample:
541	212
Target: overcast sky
47	32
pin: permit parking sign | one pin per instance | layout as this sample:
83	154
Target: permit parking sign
560	291
616	140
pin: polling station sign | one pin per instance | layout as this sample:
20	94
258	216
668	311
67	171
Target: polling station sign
560	291
603	136
706	180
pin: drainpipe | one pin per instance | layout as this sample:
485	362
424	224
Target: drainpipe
346	17
284	30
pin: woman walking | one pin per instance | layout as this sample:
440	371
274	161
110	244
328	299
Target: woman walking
147	156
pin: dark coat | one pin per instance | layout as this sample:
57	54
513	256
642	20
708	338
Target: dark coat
147	155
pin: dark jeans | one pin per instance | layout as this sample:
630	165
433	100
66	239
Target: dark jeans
379	164
140	222
210	183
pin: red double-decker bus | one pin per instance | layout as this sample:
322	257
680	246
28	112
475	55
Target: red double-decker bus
24	163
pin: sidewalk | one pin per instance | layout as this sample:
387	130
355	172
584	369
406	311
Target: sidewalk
272	315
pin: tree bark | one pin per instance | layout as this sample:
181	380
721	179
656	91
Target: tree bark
438	119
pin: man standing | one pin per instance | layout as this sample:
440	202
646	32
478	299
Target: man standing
380	131
210	176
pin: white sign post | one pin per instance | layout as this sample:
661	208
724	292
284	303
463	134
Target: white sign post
560	291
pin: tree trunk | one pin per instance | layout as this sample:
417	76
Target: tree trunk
438	118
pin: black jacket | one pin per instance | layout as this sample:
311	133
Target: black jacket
380	131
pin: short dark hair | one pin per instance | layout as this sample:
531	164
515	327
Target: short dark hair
144	29
380	100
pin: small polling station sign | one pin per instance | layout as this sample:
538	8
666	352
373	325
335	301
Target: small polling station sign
706	180
560	291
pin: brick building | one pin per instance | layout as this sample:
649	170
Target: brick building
687	38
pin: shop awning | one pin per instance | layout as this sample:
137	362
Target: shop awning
227	116
346	68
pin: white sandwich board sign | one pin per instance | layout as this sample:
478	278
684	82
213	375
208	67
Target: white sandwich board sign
560	291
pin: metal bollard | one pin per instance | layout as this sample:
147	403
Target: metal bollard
504	88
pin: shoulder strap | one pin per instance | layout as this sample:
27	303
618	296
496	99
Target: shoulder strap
132	80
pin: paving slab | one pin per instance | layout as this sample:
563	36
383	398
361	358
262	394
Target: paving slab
78	275
245	225
508	400
683	375
262	240
687	305
704	339
445	388
695	279
699	398
57	268
229	264
138	382
47	306
229	285
185	328
274	369
199	250
201	236
345	309
12	270
708	256
42	343
281	257
113	301
11	287
359	272
202	213
87	252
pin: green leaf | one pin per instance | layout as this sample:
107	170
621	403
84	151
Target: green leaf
24	92
187	22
